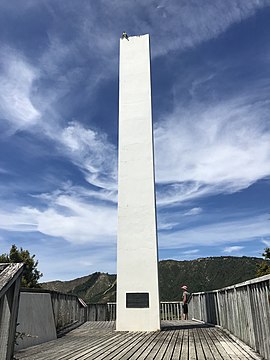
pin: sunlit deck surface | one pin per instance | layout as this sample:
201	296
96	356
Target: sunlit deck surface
177	340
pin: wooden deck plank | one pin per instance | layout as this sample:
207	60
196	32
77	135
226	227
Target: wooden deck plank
83	352
178	346
163	347
151	351
134	347
216	347
111	351
184	349
228	344
183	340
198	345
233	345
149	340
223	348
191	345
101	348
130	349
137	348
171	346
86	344
245	349
209	352
62	351
88	341
79	339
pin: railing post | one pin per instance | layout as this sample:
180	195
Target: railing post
200	307
9	302
14	302
251	316
218	307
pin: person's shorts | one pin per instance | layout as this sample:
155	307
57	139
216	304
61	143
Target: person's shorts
185	308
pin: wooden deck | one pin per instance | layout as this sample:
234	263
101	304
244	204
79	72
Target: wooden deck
186	340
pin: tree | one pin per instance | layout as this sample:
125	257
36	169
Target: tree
264	267
30	275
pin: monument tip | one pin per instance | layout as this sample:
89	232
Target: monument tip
126	36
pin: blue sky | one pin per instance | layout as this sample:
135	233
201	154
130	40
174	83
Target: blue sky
59	128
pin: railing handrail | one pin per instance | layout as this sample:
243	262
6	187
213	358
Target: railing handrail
10	279
9	274
171	302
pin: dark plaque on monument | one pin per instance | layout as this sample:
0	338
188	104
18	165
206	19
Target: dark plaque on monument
137	300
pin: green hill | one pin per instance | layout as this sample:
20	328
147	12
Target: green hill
204	274
200	275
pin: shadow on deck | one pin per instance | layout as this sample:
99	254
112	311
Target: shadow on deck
177	340
182	325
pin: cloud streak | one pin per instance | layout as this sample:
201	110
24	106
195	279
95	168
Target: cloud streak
211	148
92	153
68	217
230	249
218	233
16	83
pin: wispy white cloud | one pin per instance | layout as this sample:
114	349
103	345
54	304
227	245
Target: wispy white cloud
68	217
88	149
218	233
230	249
212	148
266	242
79	192
195	21
92	152
166	225
173	25
190	252
193	211
16	83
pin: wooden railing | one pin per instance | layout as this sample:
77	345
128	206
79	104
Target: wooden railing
242	309
67	310
169	310
97	312
10	279
111	311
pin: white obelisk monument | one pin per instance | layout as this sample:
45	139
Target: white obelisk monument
138	306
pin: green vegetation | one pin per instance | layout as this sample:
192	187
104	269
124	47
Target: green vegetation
30	275
264	267
200	275
99	288
94	288
204	274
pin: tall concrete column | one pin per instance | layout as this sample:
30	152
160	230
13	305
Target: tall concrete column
137	258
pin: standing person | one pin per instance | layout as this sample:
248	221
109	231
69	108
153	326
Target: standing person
185	301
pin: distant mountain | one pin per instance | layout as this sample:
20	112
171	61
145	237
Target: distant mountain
199	275
94	288
204	274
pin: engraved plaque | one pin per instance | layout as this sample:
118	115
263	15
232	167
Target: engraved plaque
137	300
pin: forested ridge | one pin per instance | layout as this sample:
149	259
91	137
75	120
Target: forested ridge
199	275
